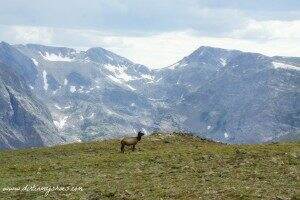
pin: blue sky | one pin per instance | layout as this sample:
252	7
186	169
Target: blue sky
155	32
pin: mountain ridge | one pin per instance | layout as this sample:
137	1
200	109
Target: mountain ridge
98	94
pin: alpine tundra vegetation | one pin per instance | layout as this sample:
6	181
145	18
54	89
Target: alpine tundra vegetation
164	166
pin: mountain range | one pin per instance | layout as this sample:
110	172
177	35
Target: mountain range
54	95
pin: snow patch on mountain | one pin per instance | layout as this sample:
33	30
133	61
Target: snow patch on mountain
116	80
67	107
45	80
226	135
36	63
85	60
57	106
130	87
72	89
61	122
119	75
124	76
147	76
183	65
119	72
55	57
110	58
158	80
284	66
223	61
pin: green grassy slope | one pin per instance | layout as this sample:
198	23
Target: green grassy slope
162	167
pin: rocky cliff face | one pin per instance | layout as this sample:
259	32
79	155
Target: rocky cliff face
226	95
24	121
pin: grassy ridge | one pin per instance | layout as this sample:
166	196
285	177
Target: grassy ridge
162	167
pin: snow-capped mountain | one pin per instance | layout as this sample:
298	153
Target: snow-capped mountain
226	95
93	93
234	96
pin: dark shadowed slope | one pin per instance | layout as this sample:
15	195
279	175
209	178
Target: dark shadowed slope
24	121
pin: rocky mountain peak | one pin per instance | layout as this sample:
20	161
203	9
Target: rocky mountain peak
21	64
100	55
227	95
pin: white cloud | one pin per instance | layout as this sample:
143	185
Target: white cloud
28	34
160	50
166	49
268	30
